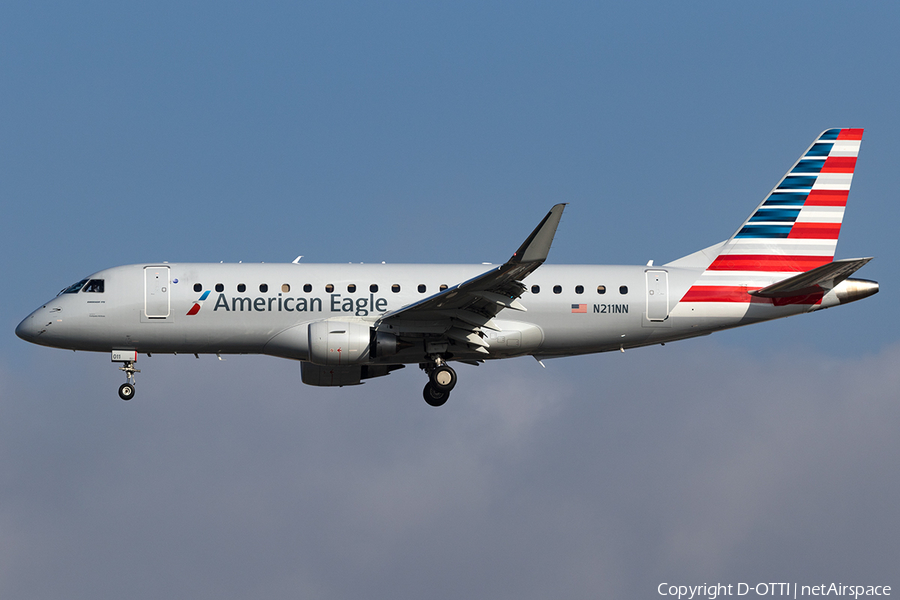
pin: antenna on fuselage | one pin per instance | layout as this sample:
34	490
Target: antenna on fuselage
296	260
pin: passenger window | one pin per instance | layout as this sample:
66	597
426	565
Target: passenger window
94	285
623	289
285	287
74	288
264	287
242	288
601	289
373	288
421	288
329	288
395	288
535	289
443	287
557	289
307	288
198	287
579	289
220	287
351	288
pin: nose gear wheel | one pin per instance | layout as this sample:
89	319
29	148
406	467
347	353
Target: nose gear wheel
126	390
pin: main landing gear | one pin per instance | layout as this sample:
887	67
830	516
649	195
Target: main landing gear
441	380
126	390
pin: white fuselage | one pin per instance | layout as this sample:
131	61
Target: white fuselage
266	308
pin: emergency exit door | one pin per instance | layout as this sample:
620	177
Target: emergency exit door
156	292
657	295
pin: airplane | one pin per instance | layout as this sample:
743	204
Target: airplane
348	323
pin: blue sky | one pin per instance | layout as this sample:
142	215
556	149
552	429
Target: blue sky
441	132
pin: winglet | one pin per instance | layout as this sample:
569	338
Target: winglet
537	246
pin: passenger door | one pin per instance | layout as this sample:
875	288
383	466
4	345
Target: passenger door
156	292
657	295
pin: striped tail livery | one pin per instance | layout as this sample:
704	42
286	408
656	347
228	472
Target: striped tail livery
784	252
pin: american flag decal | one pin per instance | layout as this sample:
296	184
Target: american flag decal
579	308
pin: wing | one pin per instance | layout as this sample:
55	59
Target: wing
457	314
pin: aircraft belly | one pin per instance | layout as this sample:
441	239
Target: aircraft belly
189	335
291	343
712	310
724	315
241	337
587	333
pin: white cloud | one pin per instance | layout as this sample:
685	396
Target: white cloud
692	461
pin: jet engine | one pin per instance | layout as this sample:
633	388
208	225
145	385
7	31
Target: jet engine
340	343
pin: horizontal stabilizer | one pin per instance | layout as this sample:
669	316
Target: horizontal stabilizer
814	280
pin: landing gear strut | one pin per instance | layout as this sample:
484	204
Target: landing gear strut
126	390
441	381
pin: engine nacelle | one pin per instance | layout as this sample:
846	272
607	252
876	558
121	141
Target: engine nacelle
341	343
338	343
339	376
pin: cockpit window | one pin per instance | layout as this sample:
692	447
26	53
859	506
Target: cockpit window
74	288
94	285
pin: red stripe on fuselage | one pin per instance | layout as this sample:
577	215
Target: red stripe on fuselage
721	293
768	262
739	294
194	310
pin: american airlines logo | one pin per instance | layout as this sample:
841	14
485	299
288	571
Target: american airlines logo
196	307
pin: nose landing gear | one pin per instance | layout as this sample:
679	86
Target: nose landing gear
126	390
441	381
127	358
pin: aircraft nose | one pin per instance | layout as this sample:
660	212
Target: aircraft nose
30	327
26	329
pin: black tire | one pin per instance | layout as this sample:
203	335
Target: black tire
126	391
434	397
443	378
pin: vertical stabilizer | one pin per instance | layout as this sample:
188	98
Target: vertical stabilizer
796	227
793	230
